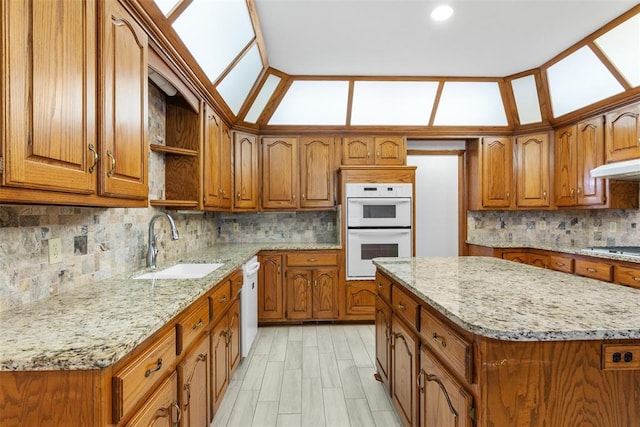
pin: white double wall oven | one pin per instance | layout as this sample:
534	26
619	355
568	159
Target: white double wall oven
379	224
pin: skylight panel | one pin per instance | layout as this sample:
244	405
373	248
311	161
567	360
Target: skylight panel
392	102
215	32
621	45
525	93
236	85
313	102
166	5
470	104
579	80
263	97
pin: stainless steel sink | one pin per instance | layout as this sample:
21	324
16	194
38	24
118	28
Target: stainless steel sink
182	271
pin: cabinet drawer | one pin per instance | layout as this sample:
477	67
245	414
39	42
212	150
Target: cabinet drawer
594	270
561	263
383	288
131	383
305	259
404	306
627	276
220	299
537	260
191	325
447	344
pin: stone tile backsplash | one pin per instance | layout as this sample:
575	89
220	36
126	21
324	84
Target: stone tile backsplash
571	228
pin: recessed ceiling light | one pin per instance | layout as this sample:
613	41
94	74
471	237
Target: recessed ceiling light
442	13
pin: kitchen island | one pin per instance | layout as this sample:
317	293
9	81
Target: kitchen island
484	341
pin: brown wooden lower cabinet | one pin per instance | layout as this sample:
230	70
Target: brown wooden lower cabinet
161	409
360	300
193	377
225	352
270	288
445	376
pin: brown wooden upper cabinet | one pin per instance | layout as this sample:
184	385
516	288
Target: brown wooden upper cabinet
622	139
245	171
370	150
490	165
217	162
533	175
578	149
54	143
298	172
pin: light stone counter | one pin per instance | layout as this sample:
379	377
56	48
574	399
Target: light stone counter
95	326
505	300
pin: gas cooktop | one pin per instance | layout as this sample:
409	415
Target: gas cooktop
618	250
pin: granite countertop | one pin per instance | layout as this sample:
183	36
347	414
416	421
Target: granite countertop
510	301
556	248
95	326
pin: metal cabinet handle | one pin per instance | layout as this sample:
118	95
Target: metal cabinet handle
544	195
368	154
440	340
113	163
197	325
377	154
92	148
315	283
311	259
303	196
579	191
401	306
223	298
380	286
156	368
573	192
560	264
508	194
178	411
636	278
592	270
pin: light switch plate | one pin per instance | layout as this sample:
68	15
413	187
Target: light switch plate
55	250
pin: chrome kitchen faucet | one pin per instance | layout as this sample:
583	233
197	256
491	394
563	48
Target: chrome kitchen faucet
153	245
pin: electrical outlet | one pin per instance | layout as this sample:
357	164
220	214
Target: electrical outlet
236	226
612	227
329	226
55	250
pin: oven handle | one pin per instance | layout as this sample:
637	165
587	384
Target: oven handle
379	231
379	200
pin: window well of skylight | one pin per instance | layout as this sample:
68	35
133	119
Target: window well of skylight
395	103
313	102
236	85
621	45
525	93
266	91
579	80
470	104
215	32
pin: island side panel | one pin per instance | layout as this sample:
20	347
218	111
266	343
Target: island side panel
554	383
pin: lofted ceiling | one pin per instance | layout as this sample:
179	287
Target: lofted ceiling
397	37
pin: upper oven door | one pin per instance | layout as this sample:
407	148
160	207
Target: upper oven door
378	212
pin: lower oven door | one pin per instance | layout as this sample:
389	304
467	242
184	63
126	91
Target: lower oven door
365	244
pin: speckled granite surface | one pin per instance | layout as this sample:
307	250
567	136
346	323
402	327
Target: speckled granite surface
95	326
556	248
510	301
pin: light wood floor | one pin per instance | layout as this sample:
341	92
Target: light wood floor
312	375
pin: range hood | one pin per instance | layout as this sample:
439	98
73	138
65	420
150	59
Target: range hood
628	170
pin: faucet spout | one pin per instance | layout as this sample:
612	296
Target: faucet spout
153	246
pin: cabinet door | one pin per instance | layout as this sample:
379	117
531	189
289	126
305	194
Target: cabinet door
280	173
193	376
590	150
360	299
566	163
234	336
226	167
212	160
270	287
623	134
443	401
299	294
390	151
357	151
246	171
161	409
404	359
50	136
325	293
317	172
533	174
219	361
123	130
497	172
383	340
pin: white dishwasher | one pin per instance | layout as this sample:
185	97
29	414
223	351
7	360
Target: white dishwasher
249	305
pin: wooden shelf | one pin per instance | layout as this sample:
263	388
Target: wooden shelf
175	203
173	150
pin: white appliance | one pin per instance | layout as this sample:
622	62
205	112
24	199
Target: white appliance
249	305
379	224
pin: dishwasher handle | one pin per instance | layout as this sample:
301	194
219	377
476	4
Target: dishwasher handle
252	268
